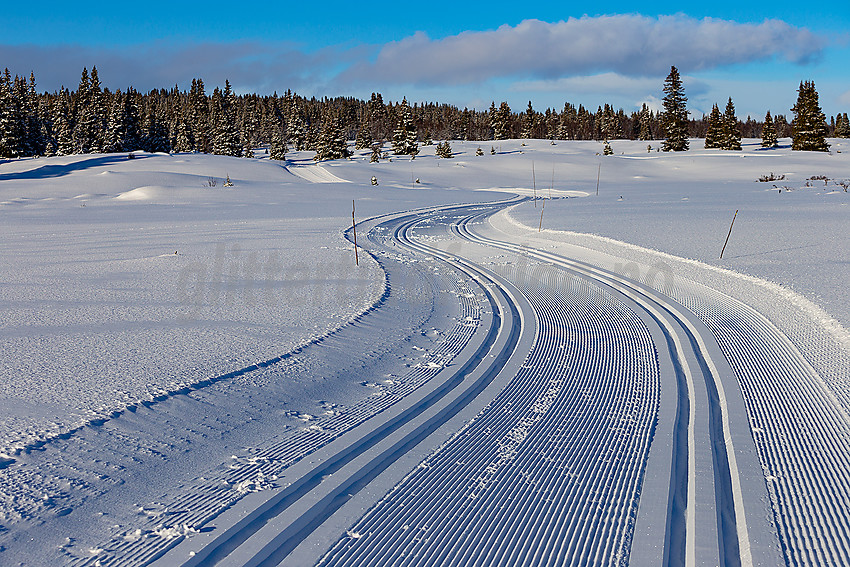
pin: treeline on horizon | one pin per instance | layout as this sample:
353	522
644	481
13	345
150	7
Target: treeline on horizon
94	119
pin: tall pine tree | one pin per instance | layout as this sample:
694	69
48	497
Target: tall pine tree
404	136
768	132
731	134
808	130
714	133
674	119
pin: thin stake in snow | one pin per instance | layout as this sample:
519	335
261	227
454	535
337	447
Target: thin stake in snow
728	235
540	228
552	185
354	230
598	172
534	183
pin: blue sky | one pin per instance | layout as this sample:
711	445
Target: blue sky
466	54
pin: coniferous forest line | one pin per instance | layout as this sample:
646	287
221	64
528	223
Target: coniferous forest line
94	119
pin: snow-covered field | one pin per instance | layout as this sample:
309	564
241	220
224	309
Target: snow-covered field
179	354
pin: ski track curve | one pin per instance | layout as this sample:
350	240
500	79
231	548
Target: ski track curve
512	488
204	500
629	405
362	450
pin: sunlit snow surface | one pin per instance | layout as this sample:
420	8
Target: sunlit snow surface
125	282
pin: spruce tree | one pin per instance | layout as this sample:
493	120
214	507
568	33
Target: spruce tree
331	143
63	124
674	120
808	130
500	120
528	121
115	125
731	134
768	132
277	149
363	139
35	142
89	113
404	136
842	126
714	134
183	141
199	109
11	133
645	132
297	126
376	152
444	150
225	135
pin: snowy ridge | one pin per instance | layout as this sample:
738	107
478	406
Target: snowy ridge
314	174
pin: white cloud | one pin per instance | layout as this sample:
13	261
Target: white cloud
631	45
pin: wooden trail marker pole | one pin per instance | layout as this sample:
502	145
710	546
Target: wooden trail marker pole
730	234
354	230
540	228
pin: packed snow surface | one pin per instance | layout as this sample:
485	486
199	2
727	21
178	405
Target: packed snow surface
175	347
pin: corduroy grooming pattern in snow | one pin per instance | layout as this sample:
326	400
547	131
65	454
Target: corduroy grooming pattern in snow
550	473
801	431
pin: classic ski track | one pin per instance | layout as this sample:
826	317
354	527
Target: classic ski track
681	329
204	500
691	348
370	447
463	522
800	427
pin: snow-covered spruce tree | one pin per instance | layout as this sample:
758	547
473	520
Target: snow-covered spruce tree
225	135
183	141
36	143
808	130
364	138
645	132
609	124
404	136
277	147
199	110
332	143
500	121
528	121
63	123
155	130
674	119
842	126
607	150
11	131
89	113
376	152
714	133
731	134
444	150
768	132
297	127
